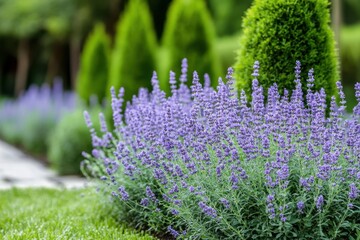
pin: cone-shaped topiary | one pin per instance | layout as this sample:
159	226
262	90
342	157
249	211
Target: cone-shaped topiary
133	59
94	69
277	33
189	33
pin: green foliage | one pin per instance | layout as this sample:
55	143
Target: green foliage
228	15
189	33
59	214
350	61
133	57
351	11
277	33
94	69
20	18
226	50
70	138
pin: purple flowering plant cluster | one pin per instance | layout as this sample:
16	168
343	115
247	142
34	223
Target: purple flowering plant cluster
205	163
29	119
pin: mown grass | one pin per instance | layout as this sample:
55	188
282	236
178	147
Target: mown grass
59	214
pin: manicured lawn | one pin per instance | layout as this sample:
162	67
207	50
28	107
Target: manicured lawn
58	214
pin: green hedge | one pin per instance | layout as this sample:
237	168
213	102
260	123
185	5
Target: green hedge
277	33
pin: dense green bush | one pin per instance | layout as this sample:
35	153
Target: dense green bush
279	32
228	15
94	69
69	139
189	33
133	57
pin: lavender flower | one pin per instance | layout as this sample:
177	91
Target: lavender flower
211	212
123	193
225	202
353	192
201	143
319	202
173	232
300	206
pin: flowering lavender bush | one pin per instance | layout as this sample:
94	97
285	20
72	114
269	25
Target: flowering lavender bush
209	165
29	119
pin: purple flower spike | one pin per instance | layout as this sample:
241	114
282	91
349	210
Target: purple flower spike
184	69
353	192
123	193
256	69
225	202
300	206
208	210
319	202
173	232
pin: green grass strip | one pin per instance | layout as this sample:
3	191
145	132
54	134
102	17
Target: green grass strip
59	214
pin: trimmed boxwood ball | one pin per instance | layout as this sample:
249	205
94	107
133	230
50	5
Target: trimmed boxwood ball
133	58
277	33
94	70
69	139
189	33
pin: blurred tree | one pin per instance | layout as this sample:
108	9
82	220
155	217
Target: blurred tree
95	62
228	15
189	33
351	11
88	12
56	22
158	10
133	58
336	19
21	20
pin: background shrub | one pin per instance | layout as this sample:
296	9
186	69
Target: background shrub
94	69
277	33
189	33
69	139
29	120
228	15
350	60
133	58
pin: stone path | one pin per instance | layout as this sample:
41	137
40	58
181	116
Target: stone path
21	171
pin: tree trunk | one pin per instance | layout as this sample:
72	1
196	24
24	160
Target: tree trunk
22	69
336	21
74	59
54	63
1	75
115	7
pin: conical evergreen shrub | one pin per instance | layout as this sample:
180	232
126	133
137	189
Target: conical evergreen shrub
94	67
133	59
189	33
277	33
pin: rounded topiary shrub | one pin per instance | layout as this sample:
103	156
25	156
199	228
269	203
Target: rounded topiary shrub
94	69
69	139
133	57
277	33
189	33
